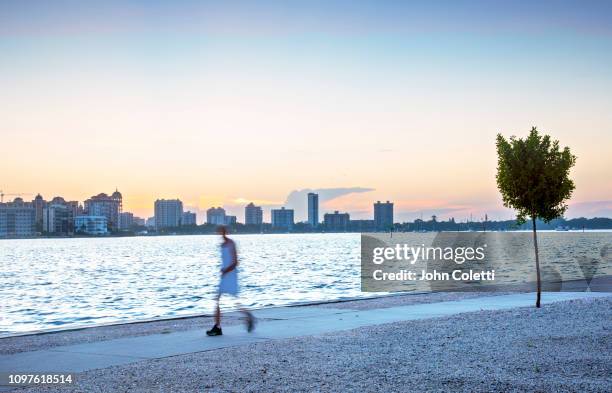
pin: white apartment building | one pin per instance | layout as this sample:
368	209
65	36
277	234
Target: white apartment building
168	213
216	216
253	215
17	218
282	218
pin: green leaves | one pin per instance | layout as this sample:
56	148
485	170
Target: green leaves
533	175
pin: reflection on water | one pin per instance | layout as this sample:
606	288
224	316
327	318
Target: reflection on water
49	283
46	283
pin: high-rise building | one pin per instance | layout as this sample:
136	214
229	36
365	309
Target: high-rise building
58	216
383	216
336	222
126	221
253	215
216	216
107	206
189	218
17	218
39	204
168	213
140	222
282	218
230	220
150	222
313	209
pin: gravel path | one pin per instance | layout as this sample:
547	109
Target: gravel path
563	347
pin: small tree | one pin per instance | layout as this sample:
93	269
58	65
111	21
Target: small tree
533	178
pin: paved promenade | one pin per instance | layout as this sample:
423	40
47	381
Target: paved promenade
278	323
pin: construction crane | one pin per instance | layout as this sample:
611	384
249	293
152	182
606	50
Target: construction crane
17	194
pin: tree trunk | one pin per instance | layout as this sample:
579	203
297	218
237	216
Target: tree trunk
537	259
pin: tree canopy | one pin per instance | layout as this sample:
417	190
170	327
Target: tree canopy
533	175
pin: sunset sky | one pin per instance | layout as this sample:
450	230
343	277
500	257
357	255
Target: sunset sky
224	103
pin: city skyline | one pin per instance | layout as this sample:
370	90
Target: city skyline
103	215
220	105
297	201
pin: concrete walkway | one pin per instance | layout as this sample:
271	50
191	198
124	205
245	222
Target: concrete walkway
283	322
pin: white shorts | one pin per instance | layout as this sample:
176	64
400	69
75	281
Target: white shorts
229	283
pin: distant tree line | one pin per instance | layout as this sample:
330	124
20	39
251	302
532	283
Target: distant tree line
416	226
508	225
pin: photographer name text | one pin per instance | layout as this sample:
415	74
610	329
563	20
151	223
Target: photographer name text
424	275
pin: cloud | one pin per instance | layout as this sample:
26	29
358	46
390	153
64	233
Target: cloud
297	199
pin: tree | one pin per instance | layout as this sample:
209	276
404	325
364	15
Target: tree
533	178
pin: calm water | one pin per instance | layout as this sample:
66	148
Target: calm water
49	283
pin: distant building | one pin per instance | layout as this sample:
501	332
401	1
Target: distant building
168	213
253	215
282	218
107	206
58	218
150	223
216	216
139	222
189	218
75	208
230	220
362	226
58	215
91	225
39	204
17	218
53	218
383	215
126	221
313	209
336	222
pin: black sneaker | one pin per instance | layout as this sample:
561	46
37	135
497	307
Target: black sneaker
215	331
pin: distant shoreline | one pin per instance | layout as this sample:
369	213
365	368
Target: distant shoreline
115	236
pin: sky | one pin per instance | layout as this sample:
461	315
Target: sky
222	103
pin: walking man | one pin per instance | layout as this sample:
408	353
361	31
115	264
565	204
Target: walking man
229	282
